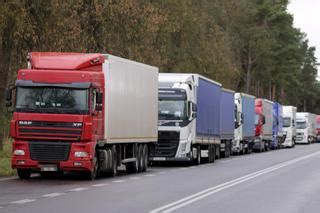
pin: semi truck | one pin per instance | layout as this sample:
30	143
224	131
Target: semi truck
86	113
244	123
263	122
289	126
227	122
189	119
318	128
277	126
306	128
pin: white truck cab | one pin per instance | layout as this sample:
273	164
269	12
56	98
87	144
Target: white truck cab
289	126
176	128
306	130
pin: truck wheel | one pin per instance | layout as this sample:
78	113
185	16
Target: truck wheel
133	166
198	159
241	152
93	173
24	173
145	158
228	149
213	153
140	158
114	167
210	153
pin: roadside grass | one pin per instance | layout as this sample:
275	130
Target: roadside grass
5	160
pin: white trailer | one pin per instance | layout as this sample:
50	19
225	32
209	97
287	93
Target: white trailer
289	126
131	114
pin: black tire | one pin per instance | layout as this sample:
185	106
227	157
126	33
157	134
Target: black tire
133	166
213	153
210	153
24	173
241	151
228	149
140	158
114	168
145	158
91	175
198	159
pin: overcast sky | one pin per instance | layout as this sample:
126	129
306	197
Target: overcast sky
307	17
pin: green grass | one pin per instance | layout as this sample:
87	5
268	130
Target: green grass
5	161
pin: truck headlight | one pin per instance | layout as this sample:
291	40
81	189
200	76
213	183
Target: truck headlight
81	154
19	152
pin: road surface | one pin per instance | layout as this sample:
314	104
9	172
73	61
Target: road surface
284	181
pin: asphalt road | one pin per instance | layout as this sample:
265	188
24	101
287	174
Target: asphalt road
284	181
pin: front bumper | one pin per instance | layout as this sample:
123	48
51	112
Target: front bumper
71	164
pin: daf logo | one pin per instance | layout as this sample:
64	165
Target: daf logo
77	124
25	123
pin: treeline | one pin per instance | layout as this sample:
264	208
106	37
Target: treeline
248	45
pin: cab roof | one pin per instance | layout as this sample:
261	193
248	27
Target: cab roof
64	61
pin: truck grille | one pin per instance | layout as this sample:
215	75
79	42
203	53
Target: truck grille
168	142
49	151
50	130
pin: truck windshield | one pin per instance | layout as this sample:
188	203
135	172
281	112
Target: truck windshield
52	100
172	110
286	122
301	124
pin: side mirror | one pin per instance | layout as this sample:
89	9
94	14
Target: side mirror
8	96
194	107
99	98
192	111
241	116
99	107
236	124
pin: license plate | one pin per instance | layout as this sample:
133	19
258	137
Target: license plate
48	168
159	158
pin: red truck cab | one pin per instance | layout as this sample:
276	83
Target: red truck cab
259	118
56	121
318	127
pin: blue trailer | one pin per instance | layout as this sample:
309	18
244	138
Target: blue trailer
277	133
208	120
244	123
227	116
208	113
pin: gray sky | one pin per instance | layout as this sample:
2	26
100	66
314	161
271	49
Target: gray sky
307	17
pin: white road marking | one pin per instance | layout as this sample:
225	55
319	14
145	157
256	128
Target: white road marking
135	178
118	181
205	193
162	173
23	201
184	168
100	185
9	178
51	195
149	175
78	189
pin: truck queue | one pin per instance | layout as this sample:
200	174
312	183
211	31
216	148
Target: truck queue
91	113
